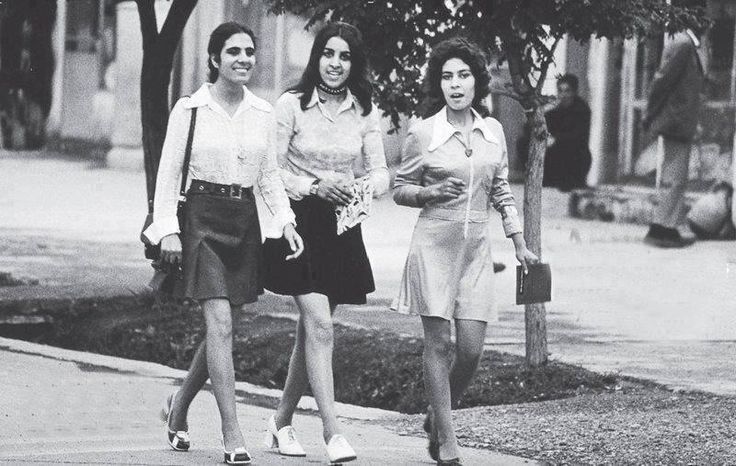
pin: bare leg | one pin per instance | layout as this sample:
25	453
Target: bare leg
470	336
316	318
296	383
218	316
193	383
437	352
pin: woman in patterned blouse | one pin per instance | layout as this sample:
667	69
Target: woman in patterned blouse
454	167
325	124
219	244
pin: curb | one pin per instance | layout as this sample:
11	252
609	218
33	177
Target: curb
155	370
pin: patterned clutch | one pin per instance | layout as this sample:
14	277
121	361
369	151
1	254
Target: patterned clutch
359	208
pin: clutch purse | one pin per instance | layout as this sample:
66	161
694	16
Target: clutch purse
359	208
534	287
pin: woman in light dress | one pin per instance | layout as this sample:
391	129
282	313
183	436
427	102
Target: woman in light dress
455	168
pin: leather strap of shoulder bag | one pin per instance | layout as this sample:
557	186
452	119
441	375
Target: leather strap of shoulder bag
187	157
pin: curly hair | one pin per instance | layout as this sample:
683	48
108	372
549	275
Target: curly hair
358	81
218	37
470	53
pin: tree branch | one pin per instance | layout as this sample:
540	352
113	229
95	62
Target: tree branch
544	66
173	27
147	15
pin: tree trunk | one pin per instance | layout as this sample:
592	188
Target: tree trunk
536	326
158	59
154	113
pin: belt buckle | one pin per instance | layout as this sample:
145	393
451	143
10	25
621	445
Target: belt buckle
235	191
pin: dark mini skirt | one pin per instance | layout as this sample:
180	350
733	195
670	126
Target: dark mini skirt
331	264
221	248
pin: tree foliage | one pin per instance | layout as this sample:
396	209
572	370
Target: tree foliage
523	33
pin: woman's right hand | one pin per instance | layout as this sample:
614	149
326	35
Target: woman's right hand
450	188
335	192
171	249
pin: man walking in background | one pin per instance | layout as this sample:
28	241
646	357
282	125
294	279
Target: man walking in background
672	113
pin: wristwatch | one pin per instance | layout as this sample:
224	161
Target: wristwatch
313	188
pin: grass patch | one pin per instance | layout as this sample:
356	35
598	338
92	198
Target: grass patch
372	368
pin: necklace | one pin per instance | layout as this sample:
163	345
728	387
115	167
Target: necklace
331	90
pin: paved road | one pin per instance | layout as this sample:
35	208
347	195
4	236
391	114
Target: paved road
618	305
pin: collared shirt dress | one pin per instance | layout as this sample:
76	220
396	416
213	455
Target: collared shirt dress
449	268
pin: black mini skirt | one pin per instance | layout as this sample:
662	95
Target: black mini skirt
221	248
333	265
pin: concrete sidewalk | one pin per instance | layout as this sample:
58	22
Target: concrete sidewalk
61	406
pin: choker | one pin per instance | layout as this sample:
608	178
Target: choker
331	90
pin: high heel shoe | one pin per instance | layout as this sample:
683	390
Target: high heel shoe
178	439
238	456
339	450
284	439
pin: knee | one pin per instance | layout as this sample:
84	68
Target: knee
468	357
220	325
438	348
319	330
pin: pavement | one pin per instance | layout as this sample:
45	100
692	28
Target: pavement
70	229
62	406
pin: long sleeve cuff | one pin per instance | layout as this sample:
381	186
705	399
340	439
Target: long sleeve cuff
407	195
303	185
161	227
284	218
510	220
297	186
380	180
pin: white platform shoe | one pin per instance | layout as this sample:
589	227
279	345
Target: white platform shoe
283	439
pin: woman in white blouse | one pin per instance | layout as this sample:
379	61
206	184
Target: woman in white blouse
219	246
455	168
325	124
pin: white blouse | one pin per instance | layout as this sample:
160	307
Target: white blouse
226	150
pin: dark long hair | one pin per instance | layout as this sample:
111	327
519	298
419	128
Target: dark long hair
217	41
470	53
357	81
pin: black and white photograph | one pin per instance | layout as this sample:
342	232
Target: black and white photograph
402	232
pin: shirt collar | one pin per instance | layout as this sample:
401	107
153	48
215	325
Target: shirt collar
443	130
348	103
203	97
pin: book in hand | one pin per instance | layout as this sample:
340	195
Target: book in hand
534	287
358	209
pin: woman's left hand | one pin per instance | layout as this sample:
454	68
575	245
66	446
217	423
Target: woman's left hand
295	241
526	257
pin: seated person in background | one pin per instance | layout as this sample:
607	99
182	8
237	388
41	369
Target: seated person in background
567	161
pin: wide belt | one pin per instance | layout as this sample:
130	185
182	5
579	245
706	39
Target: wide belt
234	191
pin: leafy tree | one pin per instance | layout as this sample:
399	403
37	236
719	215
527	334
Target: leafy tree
522	33
159	48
